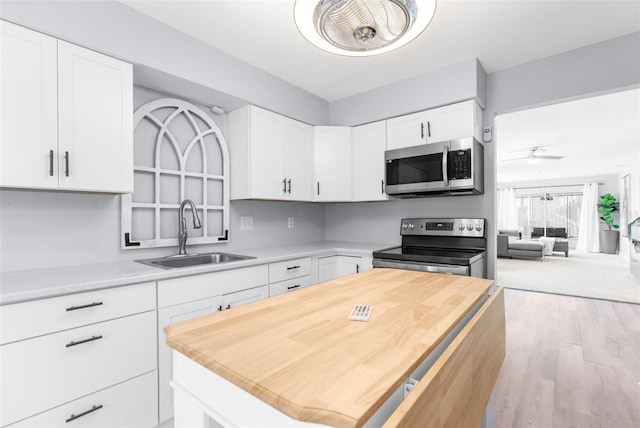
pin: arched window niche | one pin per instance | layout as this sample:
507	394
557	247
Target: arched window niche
179	153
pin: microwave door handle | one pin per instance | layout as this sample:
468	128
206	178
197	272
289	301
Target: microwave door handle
445	165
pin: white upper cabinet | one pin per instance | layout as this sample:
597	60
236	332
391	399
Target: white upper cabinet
454	121
367	162
406	131
67	115
271	156
332	163
445	123
95	121
29	108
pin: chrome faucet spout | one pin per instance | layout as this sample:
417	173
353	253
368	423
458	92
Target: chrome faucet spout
182	225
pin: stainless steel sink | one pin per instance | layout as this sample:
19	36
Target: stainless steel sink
177	261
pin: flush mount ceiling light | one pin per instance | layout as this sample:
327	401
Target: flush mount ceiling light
362	27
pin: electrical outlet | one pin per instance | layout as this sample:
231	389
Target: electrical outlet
246	222
290	222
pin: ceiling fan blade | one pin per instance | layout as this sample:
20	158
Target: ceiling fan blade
547	157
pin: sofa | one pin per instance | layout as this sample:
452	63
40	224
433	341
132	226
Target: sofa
510	246
561	244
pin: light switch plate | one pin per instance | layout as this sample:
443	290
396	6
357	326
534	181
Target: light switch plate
290	223
246	222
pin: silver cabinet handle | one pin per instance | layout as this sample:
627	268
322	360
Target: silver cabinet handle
89	305
86	412
50	163
293	286
318	188
80	342
66	164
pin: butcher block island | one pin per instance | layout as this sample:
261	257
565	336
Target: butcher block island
429	355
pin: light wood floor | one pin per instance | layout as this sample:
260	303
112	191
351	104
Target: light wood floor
570	362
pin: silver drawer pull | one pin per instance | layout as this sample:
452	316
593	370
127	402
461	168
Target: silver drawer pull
90	305
86	412
293	286
293	267
80	342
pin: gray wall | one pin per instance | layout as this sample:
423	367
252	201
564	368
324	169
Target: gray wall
47	229
605	67
458	82
166	58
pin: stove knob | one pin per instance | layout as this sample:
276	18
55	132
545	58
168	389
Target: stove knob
411	226
404	226
469	227
461	226
478	227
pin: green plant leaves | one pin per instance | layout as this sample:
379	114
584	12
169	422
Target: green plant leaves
606	207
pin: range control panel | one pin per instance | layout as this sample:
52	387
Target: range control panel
471	227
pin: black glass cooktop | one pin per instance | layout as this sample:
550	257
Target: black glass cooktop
430	255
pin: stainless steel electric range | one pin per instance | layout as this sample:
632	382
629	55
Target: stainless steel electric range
445	245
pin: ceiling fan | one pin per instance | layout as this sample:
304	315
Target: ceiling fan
535	153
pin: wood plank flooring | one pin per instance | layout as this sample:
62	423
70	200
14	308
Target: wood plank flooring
571	362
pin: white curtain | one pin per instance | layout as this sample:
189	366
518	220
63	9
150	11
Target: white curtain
589	228
507	215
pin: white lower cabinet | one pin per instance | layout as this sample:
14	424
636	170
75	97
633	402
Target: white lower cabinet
62	365
333	267
168	316
128	404
289	275
181	299
289	285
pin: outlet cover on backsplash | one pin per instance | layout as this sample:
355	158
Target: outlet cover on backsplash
246	222
290	223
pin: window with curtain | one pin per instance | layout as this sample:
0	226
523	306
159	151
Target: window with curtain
549	210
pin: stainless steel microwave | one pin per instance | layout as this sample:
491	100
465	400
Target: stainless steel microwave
453	167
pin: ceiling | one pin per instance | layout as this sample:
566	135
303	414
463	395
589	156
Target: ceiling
500	33
596	136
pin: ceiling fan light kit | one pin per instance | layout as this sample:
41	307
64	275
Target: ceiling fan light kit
362	27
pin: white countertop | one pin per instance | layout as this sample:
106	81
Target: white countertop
35	284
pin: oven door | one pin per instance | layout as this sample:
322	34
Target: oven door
422	267
417	169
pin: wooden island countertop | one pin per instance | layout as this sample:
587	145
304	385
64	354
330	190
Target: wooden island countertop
300	354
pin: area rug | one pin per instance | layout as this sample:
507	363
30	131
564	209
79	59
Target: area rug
593	275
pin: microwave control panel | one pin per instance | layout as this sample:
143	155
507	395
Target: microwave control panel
459	164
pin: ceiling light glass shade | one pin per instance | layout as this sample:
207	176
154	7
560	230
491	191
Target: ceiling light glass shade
362	27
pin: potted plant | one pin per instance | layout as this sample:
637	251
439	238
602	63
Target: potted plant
608	238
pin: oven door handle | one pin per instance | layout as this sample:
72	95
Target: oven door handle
445	165
422	267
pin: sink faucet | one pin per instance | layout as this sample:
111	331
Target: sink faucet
182	225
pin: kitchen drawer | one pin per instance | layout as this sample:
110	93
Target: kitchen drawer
41	373
288	269
29	319
190	288
129	404
292	284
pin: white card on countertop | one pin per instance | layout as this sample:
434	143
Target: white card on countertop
360	313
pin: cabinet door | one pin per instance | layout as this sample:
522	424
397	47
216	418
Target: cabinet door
95	121
29	139
297	159
168	316
289	285
243	297
348	265
332	163
454	121
406	131
328	268
265	169
367	159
